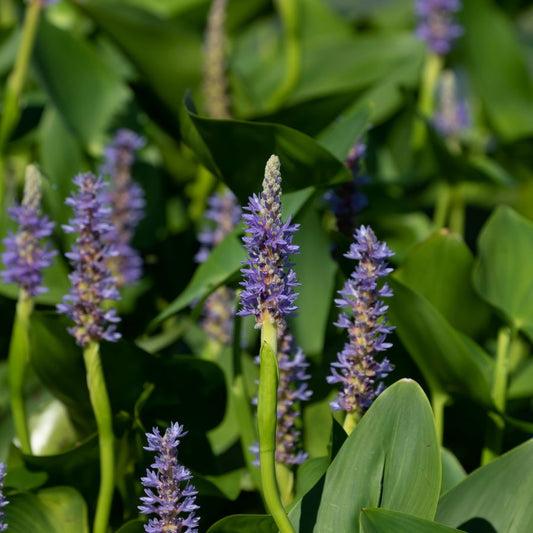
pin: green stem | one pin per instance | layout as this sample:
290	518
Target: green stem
266	422
19	358
442	206
104	423
496	423
350	422
288	10
439	400
457	211
426	99
15	83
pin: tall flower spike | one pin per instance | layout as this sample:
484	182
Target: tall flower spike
269	279
91	280
174	494
25	257
436	25
357	369
3	501
126	198
451	118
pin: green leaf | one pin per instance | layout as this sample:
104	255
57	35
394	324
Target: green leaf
452	471
84	89
167	55
521	384
496	495
315	270
54	510
304	162
246	523
385	521
502	274
491	45
391	460
448	360
133	526
440	269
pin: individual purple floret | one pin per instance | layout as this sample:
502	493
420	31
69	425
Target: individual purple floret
346	199
91	279
452	117
168	491
127	202
269	280
436	25
25	257
357	369
3	501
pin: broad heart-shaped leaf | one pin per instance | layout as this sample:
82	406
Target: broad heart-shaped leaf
85	89
245	523
218	143
502	274
497	495
390	460
225	260
167	55
185	387
315	270
449	361
452	471
491	45
53	510
440	269
385	521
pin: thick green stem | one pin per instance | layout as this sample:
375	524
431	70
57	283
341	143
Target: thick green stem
457	211
266	422
15	83
496	423
439	400
19	357
104	423
350	422
426	99
442	206
288	10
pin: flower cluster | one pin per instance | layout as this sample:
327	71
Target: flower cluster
346	199
92	282
292	389
25	257
451	118
127	203
436	24
357	369
3	501
174	494
269	280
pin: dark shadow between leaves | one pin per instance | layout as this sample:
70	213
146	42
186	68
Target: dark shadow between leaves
477	525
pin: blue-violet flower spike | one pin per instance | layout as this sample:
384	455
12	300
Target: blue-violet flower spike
3	501
25	257
357	369
451	118
168	491
269	279
436	25
126	198
91	280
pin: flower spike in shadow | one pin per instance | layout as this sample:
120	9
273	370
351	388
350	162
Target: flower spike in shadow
3	501
168	491
357	369
269	279
91	280
25	257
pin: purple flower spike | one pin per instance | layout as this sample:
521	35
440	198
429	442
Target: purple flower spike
356	368
3	501
269	280
436	24
25	257
451	118
92	282
127	202
174	494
